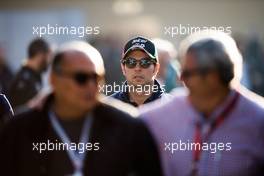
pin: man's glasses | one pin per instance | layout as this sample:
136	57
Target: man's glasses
197	71
143	63
81	78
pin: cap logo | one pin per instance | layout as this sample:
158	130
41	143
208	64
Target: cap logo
139	45
139	41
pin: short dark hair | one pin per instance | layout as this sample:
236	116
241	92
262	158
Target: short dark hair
37	46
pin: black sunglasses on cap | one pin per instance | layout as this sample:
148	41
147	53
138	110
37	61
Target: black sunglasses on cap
81	78
132	62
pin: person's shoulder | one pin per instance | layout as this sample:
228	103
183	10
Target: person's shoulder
252	107
28	115
173	104
251	99
25	126
116	113
25	120
252	111
24	73
117	107
21	79
116	95
179	91
166	95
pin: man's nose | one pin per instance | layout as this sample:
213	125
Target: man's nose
138	67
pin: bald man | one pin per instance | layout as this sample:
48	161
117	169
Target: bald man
75	132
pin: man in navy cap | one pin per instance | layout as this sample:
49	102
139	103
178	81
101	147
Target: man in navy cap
140	66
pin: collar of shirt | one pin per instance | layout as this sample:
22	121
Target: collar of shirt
200	119
155	95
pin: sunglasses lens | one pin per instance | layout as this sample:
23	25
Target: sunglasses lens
131	63
198	71
145	63
82	78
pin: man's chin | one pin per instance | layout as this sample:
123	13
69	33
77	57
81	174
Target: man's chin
138	82
87	106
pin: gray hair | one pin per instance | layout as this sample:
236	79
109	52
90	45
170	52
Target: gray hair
217	50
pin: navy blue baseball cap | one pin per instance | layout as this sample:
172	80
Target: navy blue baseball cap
143	44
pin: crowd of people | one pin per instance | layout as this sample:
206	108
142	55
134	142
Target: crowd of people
201	122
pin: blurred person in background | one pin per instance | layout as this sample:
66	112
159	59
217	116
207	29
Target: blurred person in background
27	82
218	127
253	66
6	75
76	114
254	59
110	48
168	73
140	66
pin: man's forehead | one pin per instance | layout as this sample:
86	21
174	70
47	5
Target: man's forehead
77	59
138	52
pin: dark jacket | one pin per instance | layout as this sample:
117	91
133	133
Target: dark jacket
124	95
6	75
5	110
5	107
126	146
25	86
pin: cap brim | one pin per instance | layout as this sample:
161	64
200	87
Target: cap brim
138	48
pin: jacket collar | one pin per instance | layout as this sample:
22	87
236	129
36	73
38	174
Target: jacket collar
124	95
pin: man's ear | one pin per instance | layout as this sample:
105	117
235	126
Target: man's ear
52	78
156	68
123	69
